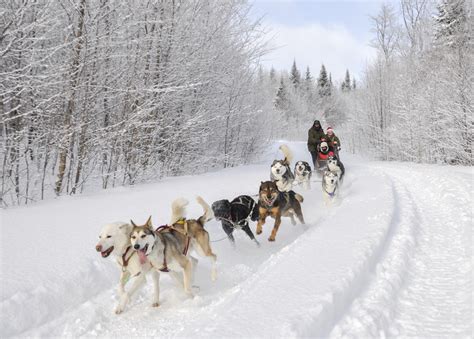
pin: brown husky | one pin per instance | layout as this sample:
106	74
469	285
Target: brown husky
277	204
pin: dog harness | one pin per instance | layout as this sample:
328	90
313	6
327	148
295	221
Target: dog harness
237	224
331	194
159	230
167	228
240	223
125	260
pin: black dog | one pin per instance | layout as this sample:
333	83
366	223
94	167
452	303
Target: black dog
235	214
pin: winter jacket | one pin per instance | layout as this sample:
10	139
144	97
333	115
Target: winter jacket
331	140
314	138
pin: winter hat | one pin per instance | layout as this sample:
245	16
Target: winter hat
330	129
316	122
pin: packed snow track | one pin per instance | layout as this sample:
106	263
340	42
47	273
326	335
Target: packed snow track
392	258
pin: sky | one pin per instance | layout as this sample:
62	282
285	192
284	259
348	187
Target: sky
335	33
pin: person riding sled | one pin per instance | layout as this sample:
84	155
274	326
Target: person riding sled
333	141
315	134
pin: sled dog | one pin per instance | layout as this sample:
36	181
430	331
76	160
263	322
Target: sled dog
167	249
335	165
277	204
303	174
330	186
115	239
235	214
280	171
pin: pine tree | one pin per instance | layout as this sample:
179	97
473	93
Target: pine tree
308	80
308	77
272	73
295	76
324	85
281	100
346	85
260	75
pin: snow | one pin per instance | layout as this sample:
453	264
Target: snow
393	258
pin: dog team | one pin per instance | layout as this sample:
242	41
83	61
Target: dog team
142	250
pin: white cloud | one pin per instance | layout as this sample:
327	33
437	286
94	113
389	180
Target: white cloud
313	44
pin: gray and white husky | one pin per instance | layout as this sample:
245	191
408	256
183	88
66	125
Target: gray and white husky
167	249
280	171
303	174
115	239
330	186
335	165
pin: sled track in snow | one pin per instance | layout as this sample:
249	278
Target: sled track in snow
368	311
415	287
383	269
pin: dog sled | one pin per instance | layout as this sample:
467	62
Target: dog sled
320	166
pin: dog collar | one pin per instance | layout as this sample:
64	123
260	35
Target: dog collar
331	194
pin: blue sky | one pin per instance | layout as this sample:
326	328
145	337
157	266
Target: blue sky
336	33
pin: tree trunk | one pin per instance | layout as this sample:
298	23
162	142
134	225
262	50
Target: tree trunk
74	74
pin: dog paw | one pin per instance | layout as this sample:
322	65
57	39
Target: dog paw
271	239
155	305
259	231
118	310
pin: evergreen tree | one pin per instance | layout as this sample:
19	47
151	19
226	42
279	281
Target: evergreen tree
308	77
324	85
346	84
260	75
295	76
308	80
272	73
282	100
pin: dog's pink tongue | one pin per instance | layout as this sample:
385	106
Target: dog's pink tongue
142	257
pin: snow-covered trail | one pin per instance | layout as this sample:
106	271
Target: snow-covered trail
393	258
422	285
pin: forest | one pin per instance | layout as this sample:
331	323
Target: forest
99	94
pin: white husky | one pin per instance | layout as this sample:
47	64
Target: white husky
115	239
280	171
330	185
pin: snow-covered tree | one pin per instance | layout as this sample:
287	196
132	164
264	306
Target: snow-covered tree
324	87
295	75
346	84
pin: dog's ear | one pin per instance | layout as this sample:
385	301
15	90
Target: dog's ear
148	222
133	224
